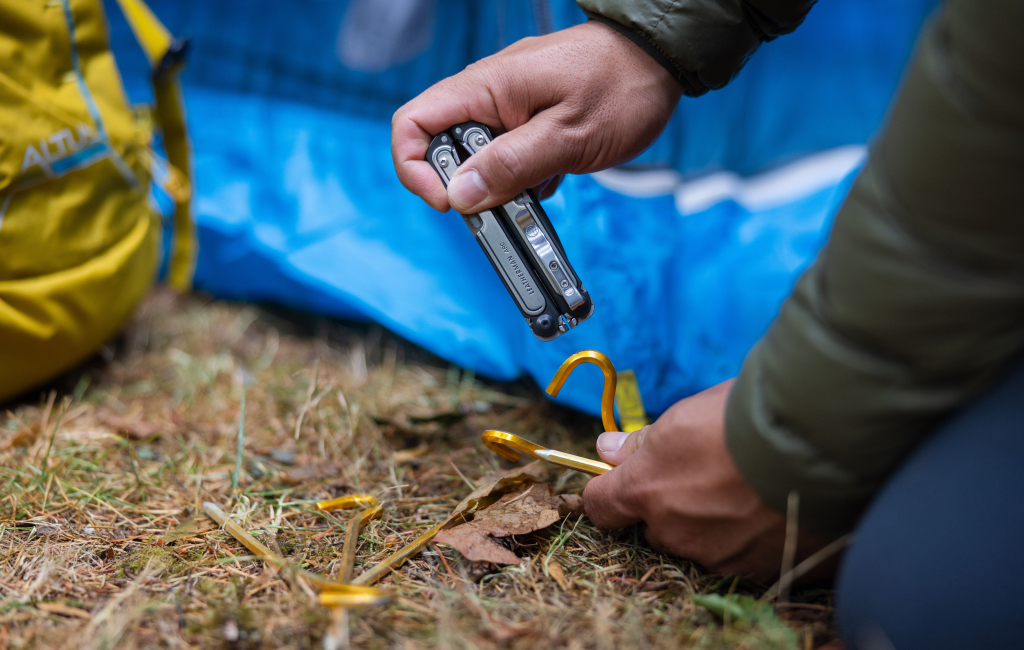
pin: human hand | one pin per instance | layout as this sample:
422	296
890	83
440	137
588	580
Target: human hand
574	101
678	477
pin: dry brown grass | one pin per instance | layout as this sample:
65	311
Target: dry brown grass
103	543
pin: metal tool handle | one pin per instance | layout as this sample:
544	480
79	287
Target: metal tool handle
502	250
520	243
526	220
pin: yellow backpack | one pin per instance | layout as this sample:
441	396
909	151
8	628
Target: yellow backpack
78	239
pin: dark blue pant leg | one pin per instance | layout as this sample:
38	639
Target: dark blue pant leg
937	561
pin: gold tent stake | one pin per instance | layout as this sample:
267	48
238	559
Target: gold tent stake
600	360
348	595
510	446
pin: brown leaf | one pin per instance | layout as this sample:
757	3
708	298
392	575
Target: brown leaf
496	485
526	509
502	631
134	428
476	545
188	528
63	610
407	455
555	571
23	438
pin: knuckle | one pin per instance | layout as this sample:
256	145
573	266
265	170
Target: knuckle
636	441
595	508
654	538
575	135
602	500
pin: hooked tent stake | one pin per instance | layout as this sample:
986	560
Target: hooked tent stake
510	446
608	394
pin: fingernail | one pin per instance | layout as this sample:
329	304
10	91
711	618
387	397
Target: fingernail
611	441
466	190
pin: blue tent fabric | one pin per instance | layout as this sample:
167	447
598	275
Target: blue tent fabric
297	200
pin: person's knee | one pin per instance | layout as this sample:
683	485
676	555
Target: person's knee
935	560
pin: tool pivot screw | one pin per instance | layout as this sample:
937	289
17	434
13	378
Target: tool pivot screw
444	162
565	284
553	265
480	140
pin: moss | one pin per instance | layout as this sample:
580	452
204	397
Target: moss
161	559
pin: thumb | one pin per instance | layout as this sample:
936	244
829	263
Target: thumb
523	157
615	447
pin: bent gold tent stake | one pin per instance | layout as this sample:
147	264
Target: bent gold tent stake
511	446
348	551
602	361
349	502
346	595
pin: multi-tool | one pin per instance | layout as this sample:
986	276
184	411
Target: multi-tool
520	243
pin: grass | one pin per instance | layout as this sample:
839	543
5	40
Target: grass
103	543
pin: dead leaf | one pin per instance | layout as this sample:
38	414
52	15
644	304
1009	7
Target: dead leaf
555	571
134	428
407	455
23	438
526	509
502	631
496	485
476	545
188	528
63	610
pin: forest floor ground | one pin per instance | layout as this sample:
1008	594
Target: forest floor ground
104	544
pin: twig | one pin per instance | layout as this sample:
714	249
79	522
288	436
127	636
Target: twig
789	549
444	561
309	398
814	560
461	475
399	557
241	444
49	447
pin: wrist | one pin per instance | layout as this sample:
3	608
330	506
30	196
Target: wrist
676	82
640	58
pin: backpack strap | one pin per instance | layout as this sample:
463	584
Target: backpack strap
167	58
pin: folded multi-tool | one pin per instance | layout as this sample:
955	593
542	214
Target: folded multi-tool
520	243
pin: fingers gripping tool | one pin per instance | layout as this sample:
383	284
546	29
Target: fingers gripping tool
520	243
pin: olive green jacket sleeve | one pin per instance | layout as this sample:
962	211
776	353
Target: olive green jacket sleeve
916	303
702	43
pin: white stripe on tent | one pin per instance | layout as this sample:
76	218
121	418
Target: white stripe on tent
764	191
